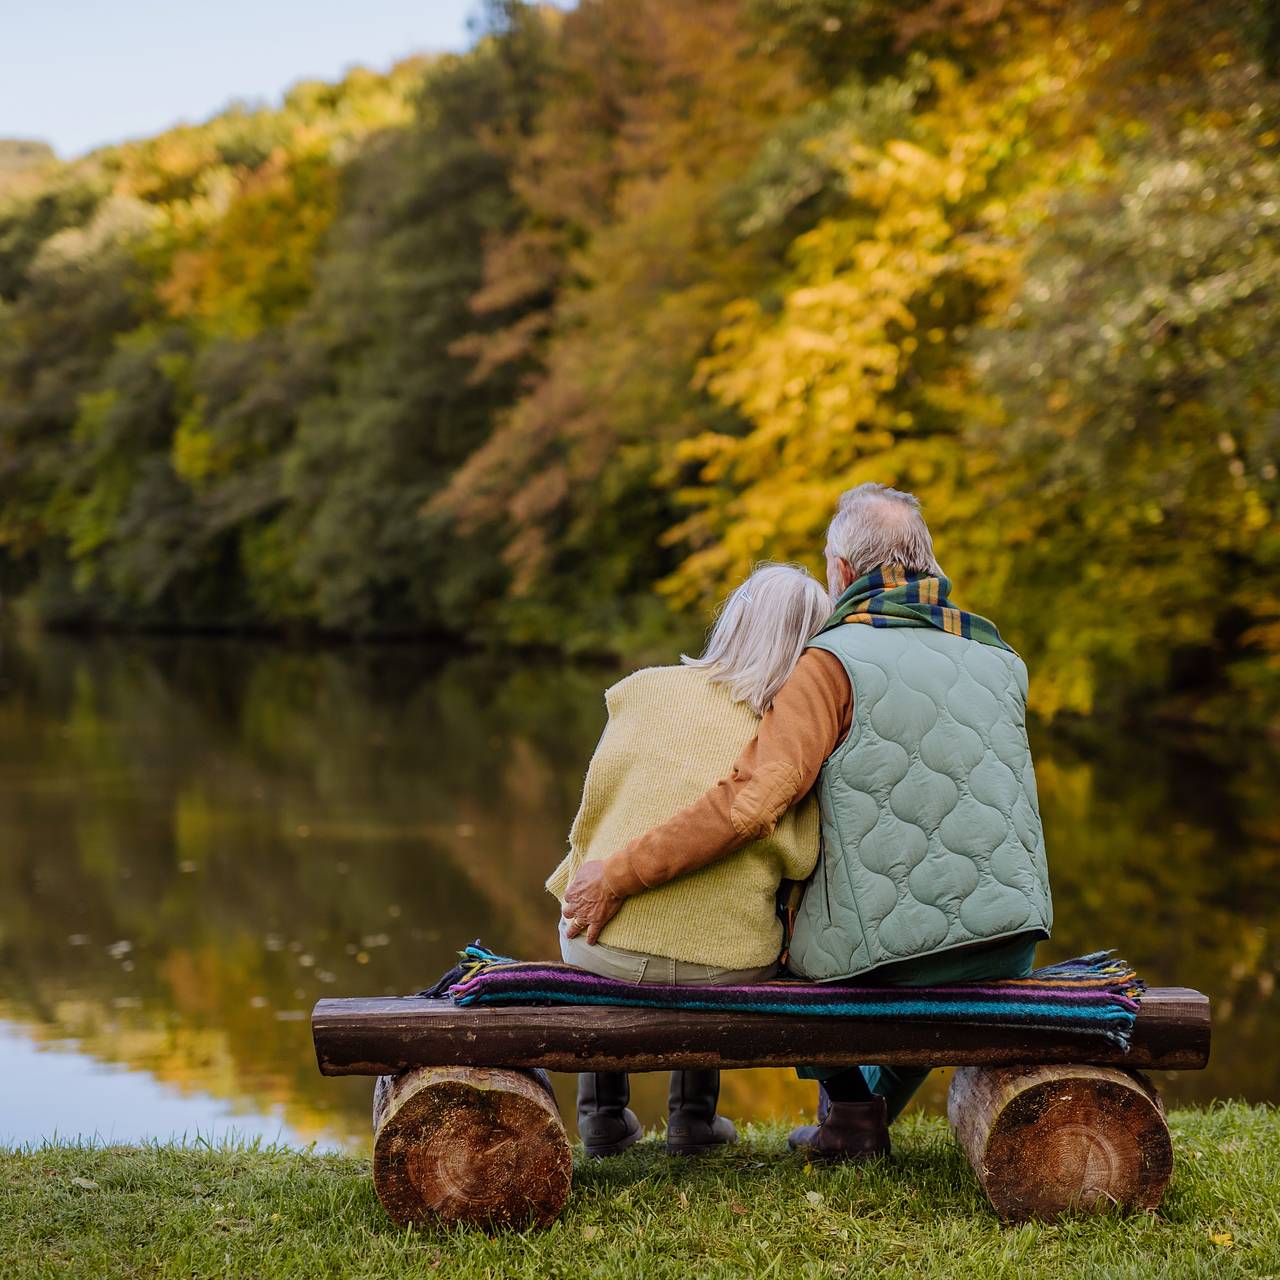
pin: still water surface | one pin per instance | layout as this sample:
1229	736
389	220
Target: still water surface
200	838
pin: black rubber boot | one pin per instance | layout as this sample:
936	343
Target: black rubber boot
692	1124
857	1131
606	1125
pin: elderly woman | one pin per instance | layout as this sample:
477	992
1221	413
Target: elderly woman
672	733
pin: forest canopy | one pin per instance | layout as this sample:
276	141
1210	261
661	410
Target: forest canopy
547	342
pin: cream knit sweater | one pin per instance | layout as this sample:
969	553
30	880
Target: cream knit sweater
671	736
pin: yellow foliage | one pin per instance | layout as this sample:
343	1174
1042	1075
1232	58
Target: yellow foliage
839	384
253	266
196	455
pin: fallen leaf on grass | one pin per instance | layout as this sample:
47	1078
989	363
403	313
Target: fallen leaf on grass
1224	1238
87	1183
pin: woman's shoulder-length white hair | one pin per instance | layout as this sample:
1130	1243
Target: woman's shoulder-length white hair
761	631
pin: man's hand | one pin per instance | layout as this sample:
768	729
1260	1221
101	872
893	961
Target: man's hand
589	903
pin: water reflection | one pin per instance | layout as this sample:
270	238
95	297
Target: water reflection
199	838
112	1103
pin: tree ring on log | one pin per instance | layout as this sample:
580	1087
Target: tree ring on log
480	1146
1050	1140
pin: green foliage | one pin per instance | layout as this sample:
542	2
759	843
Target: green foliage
1154	420
558	336
25	224
392	412
259	397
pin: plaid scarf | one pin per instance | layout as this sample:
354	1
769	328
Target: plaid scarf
891	597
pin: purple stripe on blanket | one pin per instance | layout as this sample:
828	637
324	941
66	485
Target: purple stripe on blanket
1093	995
817	993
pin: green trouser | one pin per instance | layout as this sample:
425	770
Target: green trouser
1013	958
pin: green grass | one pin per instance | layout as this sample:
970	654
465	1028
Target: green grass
754	1211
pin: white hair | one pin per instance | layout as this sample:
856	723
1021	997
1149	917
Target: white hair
876	525
761	632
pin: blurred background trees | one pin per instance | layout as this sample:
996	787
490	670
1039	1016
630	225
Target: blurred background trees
549	341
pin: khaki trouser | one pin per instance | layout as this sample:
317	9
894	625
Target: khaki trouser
638	968
691	1091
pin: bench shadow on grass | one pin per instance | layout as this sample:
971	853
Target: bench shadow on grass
921	1169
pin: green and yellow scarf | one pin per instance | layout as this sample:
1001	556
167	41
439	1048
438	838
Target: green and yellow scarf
891	597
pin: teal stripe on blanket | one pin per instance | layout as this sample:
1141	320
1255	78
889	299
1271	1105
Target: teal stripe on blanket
1095	995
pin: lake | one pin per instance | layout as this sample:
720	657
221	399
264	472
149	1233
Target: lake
199	838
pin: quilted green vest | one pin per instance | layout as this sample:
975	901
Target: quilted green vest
931	836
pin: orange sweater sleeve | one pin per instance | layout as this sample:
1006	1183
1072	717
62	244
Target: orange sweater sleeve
810	717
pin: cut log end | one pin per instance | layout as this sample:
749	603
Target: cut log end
480	1146
1045	1141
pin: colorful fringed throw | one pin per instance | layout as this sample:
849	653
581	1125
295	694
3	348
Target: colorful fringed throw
1094	995
891	597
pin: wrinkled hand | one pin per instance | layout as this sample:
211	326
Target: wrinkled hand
589	903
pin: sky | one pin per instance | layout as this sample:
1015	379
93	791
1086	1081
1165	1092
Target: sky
81	73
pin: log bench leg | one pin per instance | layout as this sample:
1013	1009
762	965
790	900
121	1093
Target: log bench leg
476	1145
1048	1140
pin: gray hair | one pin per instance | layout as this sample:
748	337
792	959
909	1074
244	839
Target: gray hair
876	525
761	632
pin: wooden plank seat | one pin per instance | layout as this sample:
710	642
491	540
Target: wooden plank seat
465	1131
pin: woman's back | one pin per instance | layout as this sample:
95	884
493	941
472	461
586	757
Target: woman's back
672	734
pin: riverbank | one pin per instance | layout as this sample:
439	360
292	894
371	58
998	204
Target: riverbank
197	1211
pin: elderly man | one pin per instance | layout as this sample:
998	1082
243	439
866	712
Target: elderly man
912	725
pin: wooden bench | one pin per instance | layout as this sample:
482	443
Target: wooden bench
467	1130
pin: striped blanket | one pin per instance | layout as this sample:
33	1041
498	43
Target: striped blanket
1093	995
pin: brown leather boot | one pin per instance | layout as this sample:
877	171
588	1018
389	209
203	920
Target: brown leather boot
849	1131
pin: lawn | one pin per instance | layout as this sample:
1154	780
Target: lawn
197	1211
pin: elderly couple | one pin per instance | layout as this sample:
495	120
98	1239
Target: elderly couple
884	765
